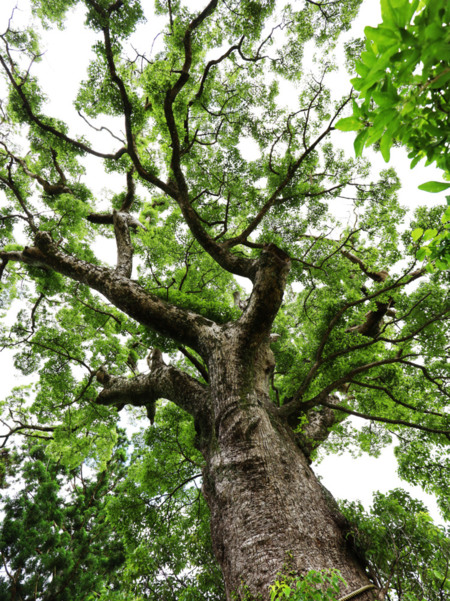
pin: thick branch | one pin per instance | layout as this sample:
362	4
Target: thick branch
123	242
377	276
163	381
371	327
267	294
232	263
184	326
317	429
101	218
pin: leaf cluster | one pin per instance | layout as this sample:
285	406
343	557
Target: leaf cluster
406	552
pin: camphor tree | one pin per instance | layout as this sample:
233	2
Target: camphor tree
340	320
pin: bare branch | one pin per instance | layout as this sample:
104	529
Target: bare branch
385	420
100	129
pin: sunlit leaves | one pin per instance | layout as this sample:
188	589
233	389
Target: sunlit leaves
162	517
232	149
434	186
388	76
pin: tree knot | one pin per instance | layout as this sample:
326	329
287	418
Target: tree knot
103	376
43	241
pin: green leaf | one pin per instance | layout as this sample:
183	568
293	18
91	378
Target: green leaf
357	83
446	216
415	161
349	124
429	234
385	146
375	133
417	233
385	117
382	36
442	265
369	58
434	186
356	109
373	78
421	254
362	69
360	141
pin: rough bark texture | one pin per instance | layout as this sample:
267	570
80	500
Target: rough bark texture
269	512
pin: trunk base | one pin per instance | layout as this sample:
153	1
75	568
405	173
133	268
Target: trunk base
269	513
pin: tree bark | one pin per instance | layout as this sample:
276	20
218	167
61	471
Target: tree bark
269	513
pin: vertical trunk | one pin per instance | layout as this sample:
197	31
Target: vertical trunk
269	513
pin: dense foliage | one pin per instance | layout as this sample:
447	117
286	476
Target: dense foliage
196	158
140	527
402	546
54	539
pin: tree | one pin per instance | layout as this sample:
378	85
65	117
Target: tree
340	321
53	540
404	72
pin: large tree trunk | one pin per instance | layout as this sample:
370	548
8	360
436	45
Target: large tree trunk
269	512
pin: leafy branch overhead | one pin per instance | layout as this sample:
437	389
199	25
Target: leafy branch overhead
403	84
124	235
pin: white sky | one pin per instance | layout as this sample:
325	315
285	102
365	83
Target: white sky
63	66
